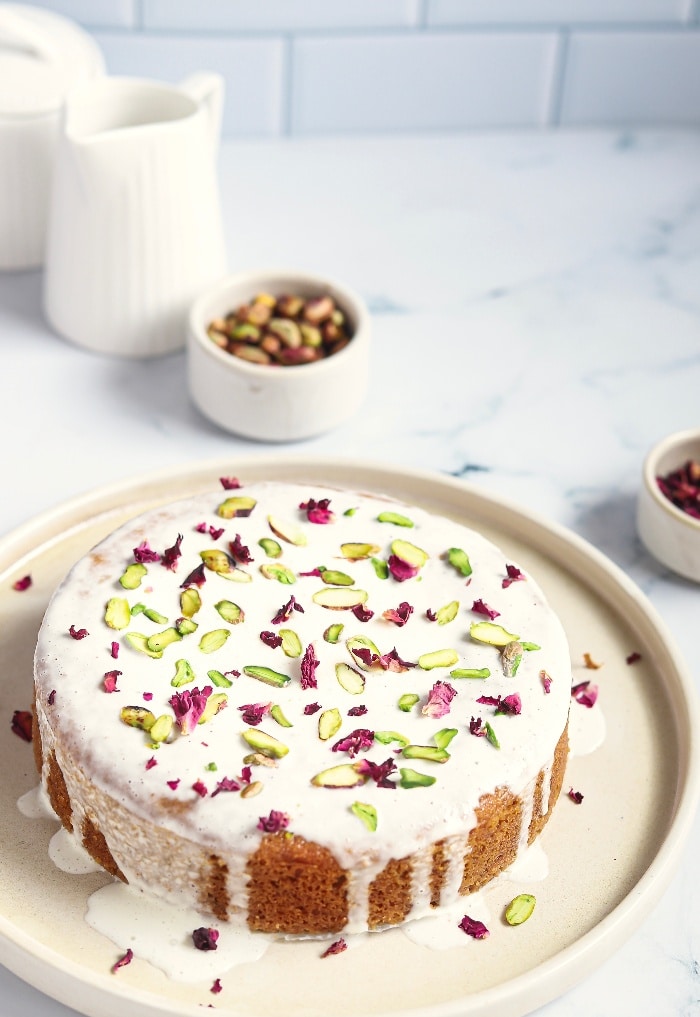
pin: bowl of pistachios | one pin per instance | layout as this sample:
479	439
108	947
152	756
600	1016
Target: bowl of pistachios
278	356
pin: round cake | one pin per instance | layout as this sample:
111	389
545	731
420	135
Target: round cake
303	709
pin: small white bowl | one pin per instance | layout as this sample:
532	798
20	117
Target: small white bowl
272	402
669	533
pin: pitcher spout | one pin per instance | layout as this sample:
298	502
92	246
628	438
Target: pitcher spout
207	89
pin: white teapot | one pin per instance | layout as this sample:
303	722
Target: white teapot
42	55
135	229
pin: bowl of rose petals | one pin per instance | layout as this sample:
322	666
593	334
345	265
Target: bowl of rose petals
278	355
668	510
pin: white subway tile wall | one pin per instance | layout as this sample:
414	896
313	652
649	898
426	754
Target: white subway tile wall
303	67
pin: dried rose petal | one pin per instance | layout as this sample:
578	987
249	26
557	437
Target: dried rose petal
173	784
633	657
273	823
511	705
479	607
400	569
226	784
22	724
311	708
246	775
114	650
285	612
439	699
575	796
392	662
400	615
22	584
145	554
474	928
123	961
110	681
431	615
217	987
546	681
253	713
197	577
78	633
189	706
239	551
215	532
476	728
205	939
201	788
682	487
585	693
357	741
339	946
148	696
357	711
309	663
362	613
271	639
490	701
52	697
230	483
379	772
150	763
318	511
316	573
513	574
171	554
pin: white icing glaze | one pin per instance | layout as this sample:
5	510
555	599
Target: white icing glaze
34	804
85	718
68	855
586	729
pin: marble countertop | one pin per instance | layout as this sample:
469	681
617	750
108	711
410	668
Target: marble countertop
536	314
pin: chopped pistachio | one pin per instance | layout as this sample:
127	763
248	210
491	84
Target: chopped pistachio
511	655
215	560
460	559
236	505
332	633
334	578
447	613
491	735
183	674
216	702
132	576
407	701
267	675
185	626
159	640
520	909
137	716
431	752
277	713
529	646
155	616
281	573
265	743
259	759
271	547
388	737
470	672
354	551
350	679
252	789
409	553
291	643
367	813
491	633
344	775
412	778
190	601
230	612
396	518
444	737
381	568
138	641
213	640
288	531
219	679
437	658
339	598
329	723
117	613
160	731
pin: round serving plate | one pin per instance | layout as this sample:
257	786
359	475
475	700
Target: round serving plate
610	857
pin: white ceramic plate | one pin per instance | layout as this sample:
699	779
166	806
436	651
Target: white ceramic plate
610	857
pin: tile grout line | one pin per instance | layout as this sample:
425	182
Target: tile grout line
553	118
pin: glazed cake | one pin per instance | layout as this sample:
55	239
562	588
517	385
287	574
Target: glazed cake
301	709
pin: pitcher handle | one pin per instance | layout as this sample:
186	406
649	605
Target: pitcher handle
207	89
23	33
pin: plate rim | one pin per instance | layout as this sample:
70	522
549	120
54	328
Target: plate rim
559	972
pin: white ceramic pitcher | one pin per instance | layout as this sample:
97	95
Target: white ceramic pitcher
135	230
